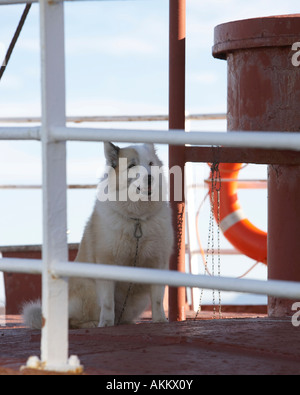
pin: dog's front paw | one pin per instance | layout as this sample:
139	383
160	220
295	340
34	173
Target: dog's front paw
106	322
160	320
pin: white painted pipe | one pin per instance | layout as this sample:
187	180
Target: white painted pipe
9	2
20	133
116	118
268	140
14	265
283	289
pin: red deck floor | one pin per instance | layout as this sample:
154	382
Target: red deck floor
249	345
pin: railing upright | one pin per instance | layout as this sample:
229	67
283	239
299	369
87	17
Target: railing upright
54	344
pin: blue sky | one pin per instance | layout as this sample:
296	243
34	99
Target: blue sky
117	55
116	64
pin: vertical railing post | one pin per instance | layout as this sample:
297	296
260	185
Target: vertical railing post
54	344
177	296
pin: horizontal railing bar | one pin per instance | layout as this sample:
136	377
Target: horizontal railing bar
222	251
116	118
72	186
268	140
14	265
30	247
38	247
20	133
206	117
20	120
9	2
282	289
241	184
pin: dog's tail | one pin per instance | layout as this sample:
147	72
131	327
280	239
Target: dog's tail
32	314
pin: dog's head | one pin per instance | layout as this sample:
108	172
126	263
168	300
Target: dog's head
133	173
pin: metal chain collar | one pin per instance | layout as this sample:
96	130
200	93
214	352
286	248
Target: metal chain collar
138	234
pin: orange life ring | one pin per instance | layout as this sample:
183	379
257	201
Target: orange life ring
241	233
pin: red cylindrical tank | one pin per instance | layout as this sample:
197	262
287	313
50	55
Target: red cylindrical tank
264	95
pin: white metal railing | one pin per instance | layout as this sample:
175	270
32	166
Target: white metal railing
282	289
240	139
9	2
242	184
71	186
270	140
12	265
54	134
20	133
117	118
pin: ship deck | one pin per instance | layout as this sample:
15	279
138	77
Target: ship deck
237	344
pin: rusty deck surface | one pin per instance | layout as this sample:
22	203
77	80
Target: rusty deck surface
248	345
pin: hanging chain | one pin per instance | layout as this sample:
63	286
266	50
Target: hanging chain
215	189
138	234
219	249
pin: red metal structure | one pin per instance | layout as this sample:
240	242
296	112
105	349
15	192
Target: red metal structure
177	153
263	95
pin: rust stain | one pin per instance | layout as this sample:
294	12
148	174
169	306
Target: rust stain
43	322
257	85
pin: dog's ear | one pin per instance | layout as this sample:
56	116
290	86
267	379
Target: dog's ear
151	147
111	152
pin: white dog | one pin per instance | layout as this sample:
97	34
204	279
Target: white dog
130	226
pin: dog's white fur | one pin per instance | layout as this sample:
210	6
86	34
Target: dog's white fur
109	239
